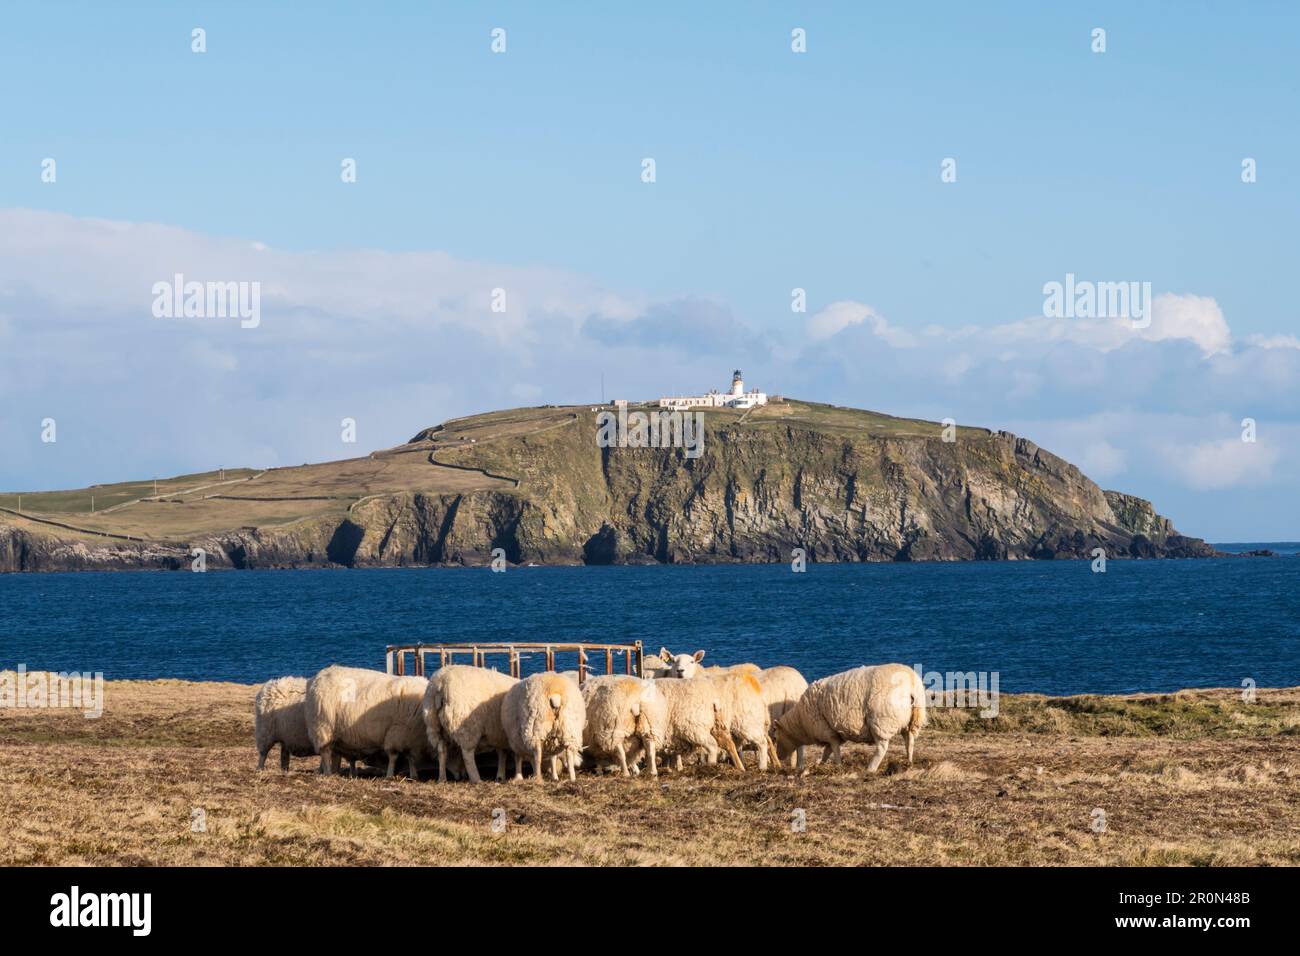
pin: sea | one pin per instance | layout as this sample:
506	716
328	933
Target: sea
1053	627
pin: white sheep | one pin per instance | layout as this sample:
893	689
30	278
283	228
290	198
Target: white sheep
654	666
717	669
352	712
680	665
544	716
625	715
695	722
688	666
782	687
278	718
744	711
462	707
866	705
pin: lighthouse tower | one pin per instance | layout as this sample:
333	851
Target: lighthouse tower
737	386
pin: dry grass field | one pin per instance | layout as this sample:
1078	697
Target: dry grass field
1197	778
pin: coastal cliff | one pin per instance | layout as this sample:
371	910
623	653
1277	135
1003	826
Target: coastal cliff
841	485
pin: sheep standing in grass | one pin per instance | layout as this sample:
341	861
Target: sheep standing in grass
782	688
544	716
278	718
695	721
866	705
462	708
744	713
352	712
651	729
744	710
625	715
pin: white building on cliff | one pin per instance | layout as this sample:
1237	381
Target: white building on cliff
735	397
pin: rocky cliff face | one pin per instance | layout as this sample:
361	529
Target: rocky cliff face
754	495
757	493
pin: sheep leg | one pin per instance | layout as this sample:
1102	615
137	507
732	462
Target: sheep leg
634	751
650	758
570	759
677	762
261	755
879	755
519	766
411	770
826	752
622	759
442	761
471	765
773	753
799	764
762	756
537	763
501	766
392	764
911	742
284	758
730	745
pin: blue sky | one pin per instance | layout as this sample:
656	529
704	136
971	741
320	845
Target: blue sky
775	170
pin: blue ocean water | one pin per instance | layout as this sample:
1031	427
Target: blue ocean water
1047	626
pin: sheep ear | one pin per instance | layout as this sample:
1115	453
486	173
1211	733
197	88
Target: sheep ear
699	656
665	656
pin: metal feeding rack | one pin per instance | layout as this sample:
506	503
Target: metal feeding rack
480	654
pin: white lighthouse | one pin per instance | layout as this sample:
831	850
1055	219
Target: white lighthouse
734	397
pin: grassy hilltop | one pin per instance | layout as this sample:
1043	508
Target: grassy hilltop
843	484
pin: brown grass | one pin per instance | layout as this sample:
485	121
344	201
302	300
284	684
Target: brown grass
121	790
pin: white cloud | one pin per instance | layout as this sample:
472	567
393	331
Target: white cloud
1226	463
527	392
838	316
117	264
1274	341
210	357
1195	452
1195	318
1192	318
956	366
1102	460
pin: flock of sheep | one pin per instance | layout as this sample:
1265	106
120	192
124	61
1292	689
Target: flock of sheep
682	710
